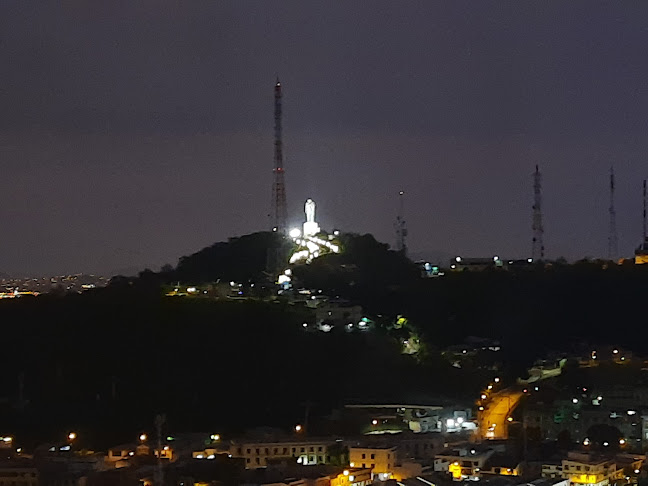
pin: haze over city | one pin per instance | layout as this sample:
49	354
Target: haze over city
134	133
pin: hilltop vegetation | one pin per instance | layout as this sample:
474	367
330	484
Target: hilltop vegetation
119	355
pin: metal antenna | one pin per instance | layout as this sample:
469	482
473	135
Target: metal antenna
400	226
279	211
644	213
613	243
537	249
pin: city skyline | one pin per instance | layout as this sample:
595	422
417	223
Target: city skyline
133	135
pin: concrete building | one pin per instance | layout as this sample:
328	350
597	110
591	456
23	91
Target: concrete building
353	477
258	453
18	474
336	313
417	418
380	460
462	463
461	264
582	468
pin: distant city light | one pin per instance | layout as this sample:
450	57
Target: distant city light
496	380
72	435
142	437
298	428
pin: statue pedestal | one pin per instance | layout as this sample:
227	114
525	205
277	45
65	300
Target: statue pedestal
311	228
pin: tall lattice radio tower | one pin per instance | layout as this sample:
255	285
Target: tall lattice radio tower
400	226
537	249
279	211
613	241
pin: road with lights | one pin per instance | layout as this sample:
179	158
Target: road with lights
494	418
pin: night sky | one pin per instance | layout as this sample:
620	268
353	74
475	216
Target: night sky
135	132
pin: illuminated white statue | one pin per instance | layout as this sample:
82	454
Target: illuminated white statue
310	226
309	209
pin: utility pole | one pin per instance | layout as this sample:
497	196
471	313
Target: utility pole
400	226
538	249
279	211
613	243
159	473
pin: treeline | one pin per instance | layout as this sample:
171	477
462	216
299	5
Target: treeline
104	363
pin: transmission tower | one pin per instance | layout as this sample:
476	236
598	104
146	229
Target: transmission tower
643	241
400	226
538	249
613	243
279	212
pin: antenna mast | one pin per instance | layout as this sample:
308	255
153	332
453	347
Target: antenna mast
644	213
279	212
613	243
538	249
400	226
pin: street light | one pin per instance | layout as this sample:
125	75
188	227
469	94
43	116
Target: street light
298	428
72	435
142	437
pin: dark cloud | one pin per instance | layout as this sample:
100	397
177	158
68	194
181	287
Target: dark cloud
135	132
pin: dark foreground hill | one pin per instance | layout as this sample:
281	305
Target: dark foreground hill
106	362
